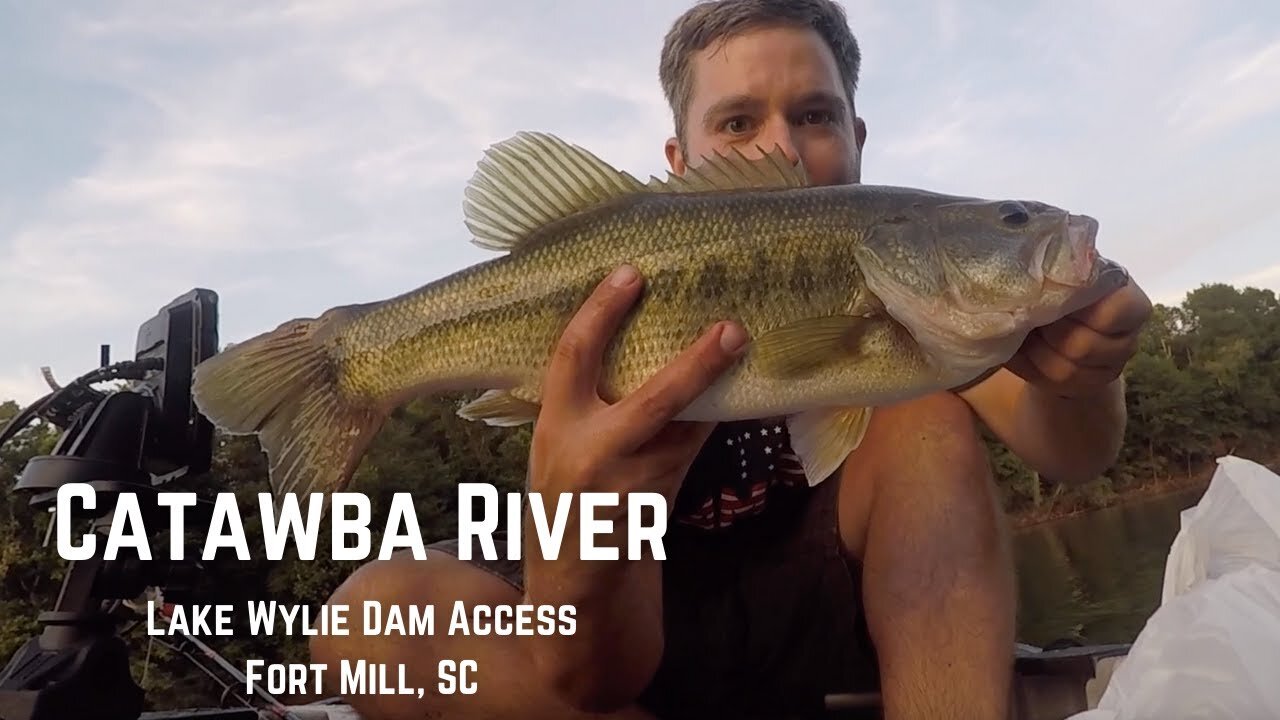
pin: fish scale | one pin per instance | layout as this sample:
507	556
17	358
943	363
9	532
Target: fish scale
853	296
693	255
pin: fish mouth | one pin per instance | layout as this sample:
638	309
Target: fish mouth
1082	232
1110	275
1070	256
1074	268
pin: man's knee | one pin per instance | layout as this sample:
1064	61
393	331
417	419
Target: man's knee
925	452
440	580
938	430
504	687
938	578
388	582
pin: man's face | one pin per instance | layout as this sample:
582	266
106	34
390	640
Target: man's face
772	87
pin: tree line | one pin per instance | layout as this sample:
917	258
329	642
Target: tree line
1205	382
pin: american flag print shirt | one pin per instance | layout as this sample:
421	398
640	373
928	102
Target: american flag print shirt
734	473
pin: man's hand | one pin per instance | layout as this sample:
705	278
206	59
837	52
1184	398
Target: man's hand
1057	404
583	444
1082	353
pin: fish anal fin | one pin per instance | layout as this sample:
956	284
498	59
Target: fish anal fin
283	387
798	348
532	180
735	171
500	408
823	438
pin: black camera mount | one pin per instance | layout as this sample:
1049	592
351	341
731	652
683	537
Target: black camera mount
126	441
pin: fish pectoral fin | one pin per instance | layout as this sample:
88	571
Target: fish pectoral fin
795	349
532	180
735	171
823	438
500	408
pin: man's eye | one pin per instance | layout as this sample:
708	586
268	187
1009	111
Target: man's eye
817	117
737	125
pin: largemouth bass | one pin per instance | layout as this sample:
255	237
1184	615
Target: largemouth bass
854	296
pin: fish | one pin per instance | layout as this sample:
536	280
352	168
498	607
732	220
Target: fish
853	296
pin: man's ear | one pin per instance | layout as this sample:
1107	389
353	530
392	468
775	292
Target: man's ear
860	138
675	158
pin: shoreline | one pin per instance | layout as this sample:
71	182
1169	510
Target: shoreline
1152	488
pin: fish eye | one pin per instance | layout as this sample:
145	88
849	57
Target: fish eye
1014	214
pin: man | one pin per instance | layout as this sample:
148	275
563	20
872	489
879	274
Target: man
894	574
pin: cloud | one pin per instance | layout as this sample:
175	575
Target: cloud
1268	277
22	383
1166	136
292	156
1235	84
297	155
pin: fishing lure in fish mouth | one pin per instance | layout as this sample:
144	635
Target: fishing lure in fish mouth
854	296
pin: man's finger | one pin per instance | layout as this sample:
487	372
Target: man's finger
1119	313
1022	366
1085	346
1063	377
573	373
681	441
643	413
672	451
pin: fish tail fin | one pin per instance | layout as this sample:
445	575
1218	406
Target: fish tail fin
283	386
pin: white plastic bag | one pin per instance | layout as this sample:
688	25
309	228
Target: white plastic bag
1236	524
1212	649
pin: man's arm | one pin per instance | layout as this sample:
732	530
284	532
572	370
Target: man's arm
1065	439
1059	403
583	444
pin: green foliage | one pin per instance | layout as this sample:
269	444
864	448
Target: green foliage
29	575
1206	382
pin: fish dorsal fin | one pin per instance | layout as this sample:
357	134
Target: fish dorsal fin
531	180
735	171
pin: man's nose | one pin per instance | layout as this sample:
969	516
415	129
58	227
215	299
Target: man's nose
778	135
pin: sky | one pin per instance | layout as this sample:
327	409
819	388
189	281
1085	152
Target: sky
292	156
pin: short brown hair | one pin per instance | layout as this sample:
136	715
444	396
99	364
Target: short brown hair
711	21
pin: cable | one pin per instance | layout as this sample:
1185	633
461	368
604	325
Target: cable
124	370
27	414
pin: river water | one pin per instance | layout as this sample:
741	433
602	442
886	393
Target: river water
1096	577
